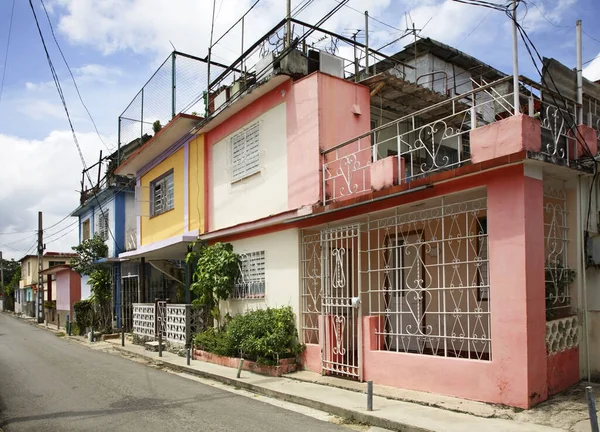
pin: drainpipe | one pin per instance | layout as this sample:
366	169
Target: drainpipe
582	281
579	76
515	59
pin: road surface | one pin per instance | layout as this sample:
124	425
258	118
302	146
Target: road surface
50	384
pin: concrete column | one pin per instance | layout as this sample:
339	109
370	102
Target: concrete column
518	320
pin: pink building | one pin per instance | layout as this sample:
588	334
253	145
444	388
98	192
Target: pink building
428	235
68	290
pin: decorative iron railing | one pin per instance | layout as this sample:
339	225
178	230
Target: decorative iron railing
419	147
436	138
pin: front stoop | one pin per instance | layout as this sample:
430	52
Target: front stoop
153	346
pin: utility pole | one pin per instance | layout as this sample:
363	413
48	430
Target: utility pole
2	280
1	272
40	291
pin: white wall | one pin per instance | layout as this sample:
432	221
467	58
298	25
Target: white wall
261	194
282	261
107	206
130	221
86	291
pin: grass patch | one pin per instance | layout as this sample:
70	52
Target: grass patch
61	334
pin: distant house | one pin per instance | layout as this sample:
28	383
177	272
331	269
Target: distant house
107	210
26	295
67	290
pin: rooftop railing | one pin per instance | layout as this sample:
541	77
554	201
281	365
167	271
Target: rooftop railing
436	138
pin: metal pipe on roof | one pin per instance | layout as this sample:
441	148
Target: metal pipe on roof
515	59
579	75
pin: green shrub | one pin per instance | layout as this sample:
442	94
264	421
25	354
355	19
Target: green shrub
85	315
216	342
264	336
50	304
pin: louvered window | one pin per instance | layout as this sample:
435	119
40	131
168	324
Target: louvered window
245	153
251	283
102	229
162	194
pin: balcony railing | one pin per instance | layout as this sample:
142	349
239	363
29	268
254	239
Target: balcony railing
419	147
436	138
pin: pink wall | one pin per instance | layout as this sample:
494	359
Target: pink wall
516	374
508	136
563	370
319	116
68	290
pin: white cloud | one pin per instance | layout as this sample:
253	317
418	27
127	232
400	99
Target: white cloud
43	175
592	70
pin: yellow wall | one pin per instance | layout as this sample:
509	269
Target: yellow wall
170	223
196	178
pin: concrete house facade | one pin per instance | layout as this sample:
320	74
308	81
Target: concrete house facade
428	235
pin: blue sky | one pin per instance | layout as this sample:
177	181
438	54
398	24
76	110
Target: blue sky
113	46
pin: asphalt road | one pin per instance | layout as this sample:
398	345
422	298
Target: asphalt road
51	384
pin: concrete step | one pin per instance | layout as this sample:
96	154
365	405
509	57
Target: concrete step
153	346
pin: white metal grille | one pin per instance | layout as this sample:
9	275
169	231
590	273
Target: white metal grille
251	283
102	227
143	319
558	273
163	194
342	339
245	153
428	278
311	287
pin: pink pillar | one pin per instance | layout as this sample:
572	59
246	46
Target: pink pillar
518	321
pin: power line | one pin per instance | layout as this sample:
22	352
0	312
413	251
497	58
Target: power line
65	234
476	27
591	37
72	77
12	12
545	17
371	17
64	103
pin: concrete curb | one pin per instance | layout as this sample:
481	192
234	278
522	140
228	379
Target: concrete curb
299	400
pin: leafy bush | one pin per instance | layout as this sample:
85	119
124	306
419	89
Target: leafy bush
85	315
50	304
217	268
216	342
264	336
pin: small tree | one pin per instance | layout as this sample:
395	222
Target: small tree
101	284
9	289
86	263
88	253
217	269
156	126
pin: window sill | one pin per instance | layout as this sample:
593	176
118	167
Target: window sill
241	179
160	214
254	297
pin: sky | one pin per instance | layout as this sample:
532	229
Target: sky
114	46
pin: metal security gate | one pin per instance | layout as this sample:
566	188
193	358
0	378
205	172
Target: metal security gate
342	339
161	319
129	294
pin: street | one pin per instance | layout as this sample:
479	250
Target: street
50	384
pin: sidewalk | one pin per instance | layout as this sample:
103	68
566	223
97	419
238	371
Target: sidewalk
387	413
394	408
